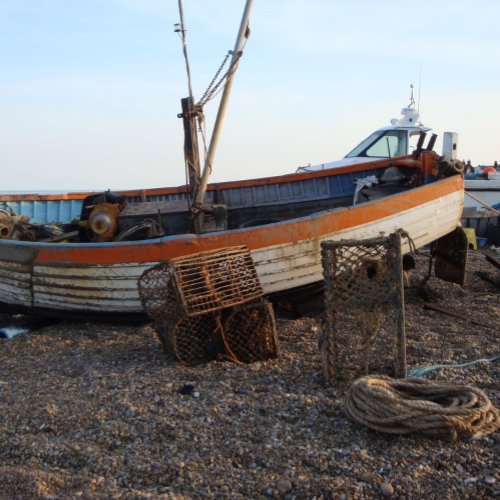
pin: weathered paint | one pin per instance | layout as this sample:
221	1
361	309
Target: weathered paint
317	225
103	277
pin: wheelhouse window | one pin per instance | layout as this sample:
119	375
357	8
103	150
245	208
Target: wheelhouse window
382	144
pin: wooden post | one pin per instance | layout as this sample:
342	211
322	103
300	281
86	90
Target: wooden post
191	151
401	370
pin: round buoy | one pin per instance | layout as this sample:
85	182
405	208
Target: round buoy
489	169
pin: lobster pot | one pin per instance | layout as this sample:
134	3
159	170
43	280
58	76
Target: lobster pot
156	292
200	283
190	339
215	280
363	331
187	296
249	332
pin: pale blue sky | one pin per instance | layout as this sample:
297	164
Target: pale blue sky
90	89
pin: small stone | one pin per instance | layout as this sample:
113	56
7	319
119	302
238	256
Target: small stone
490	480
470	480
387	489
460	469
284	485
110	483
186	389
129	412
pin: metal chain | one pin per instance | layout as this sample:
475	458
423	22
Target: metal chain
212	89
202	100
211	92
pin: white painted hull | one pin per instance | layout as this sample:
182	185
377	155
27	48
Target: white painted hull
301	262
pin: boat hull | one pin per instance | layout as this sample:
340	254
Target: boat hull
101	279
482	193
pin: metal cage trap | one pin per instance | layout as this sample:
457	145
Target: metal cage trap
190	339
214	280
249	332
363	330
210	305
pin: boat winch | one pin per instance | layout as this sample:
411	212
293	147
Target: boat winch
99	216
103	221
15	227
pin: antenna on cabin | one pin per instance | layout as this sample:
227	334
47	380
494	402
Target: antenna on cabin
412	100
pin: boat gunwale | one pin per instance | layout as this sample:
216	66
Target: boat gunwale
261	181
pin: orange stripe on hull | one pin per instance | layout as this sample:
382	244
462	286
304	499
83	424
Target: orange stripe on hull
254	238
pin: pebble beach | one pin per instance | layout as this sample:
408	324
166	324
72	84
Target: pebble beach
95	410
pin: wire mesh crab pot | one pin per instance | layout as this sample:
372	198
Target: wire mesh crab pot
192	340
249	332
363	331
200	283
215	280
155	291
187	296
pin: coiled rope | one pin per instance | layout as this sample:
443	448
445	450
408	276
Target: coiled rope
413	405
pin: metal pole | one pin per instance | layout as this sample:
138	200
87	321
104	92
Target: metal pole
223	105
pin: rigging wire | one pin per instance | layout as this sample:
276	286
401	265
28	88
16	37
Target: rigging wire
181	29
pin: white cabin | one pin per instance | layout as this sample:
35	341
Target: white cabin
397	139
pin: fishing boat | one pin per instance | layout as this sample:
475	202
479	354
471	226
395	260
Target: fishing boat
282	220
482	204
483	189
82	254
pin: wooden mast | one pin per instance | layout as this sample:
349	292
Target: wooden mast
191	151
188	115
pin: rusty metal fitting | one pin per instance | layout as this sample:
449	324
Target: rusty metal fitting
103	221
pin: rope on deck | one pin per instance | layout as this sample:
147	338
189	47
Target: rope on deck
432	408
